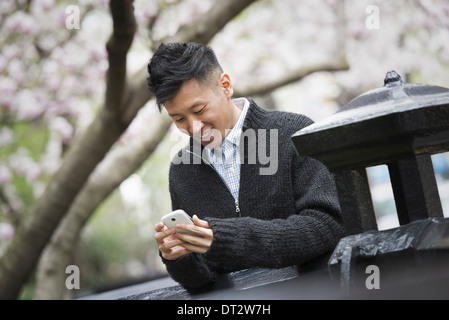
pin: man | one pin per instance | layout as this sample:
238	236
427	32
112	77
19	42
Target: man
247	211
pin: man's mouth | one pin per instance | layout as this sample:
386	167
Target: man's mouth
206	134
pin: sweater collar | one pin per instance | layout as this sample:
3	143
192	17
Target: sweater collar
256	117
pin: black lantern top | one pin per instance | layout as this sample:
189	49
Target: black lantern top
387	123
395	96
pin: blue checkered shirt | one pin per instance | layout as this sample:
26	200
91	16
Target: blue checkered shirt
226	158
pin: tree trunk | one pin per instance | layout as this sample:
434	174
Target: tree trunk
120	163
20	258
53	268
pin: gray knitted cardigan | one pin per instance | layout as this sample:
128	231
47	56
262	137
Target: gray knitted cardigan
282	219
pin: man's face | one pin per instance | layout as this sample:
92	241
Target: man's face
205	112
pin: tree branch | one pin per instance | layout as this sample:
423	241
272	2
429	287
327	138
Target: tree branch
209	24
290	77
124	26
13	216
202	30
338	64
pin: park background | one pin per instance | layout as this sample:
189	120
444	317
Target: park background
84	153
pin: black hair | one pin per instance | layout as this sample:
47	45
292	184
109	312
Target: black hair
174	63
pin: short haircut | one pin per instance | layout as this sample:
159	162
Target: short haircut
174	63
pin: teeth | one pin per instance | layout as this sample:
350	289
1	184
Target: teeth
206	133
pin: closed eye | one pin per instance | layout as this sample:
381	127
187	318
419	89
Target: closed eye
200	111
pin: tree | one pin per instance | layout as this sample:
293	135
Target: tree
121	105
33	234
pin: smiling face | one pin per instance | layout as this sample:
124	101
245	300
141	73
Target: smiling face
204	111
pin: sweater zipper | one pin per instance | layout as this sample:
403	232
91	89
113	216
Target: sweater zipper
236	202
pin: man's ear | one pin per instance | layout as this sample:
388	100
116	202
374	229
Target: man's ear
226	85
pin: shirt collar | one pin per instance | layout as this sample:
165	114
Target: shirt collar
234	135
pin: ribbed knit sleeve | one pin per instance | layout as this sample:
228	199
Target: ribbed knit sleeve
190	270
313	229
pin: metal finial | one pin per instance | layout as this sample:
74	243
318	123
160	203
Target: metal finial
392	79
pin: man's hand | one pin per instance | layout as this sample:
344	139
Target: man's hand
174	244
200	243
169	245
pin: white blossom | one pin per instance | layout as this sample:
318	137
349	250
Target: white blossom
5	175
6	136
21	22
62	127
6	231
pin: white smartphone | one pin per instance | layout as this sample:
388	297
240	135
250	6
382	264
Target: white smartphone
177	216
